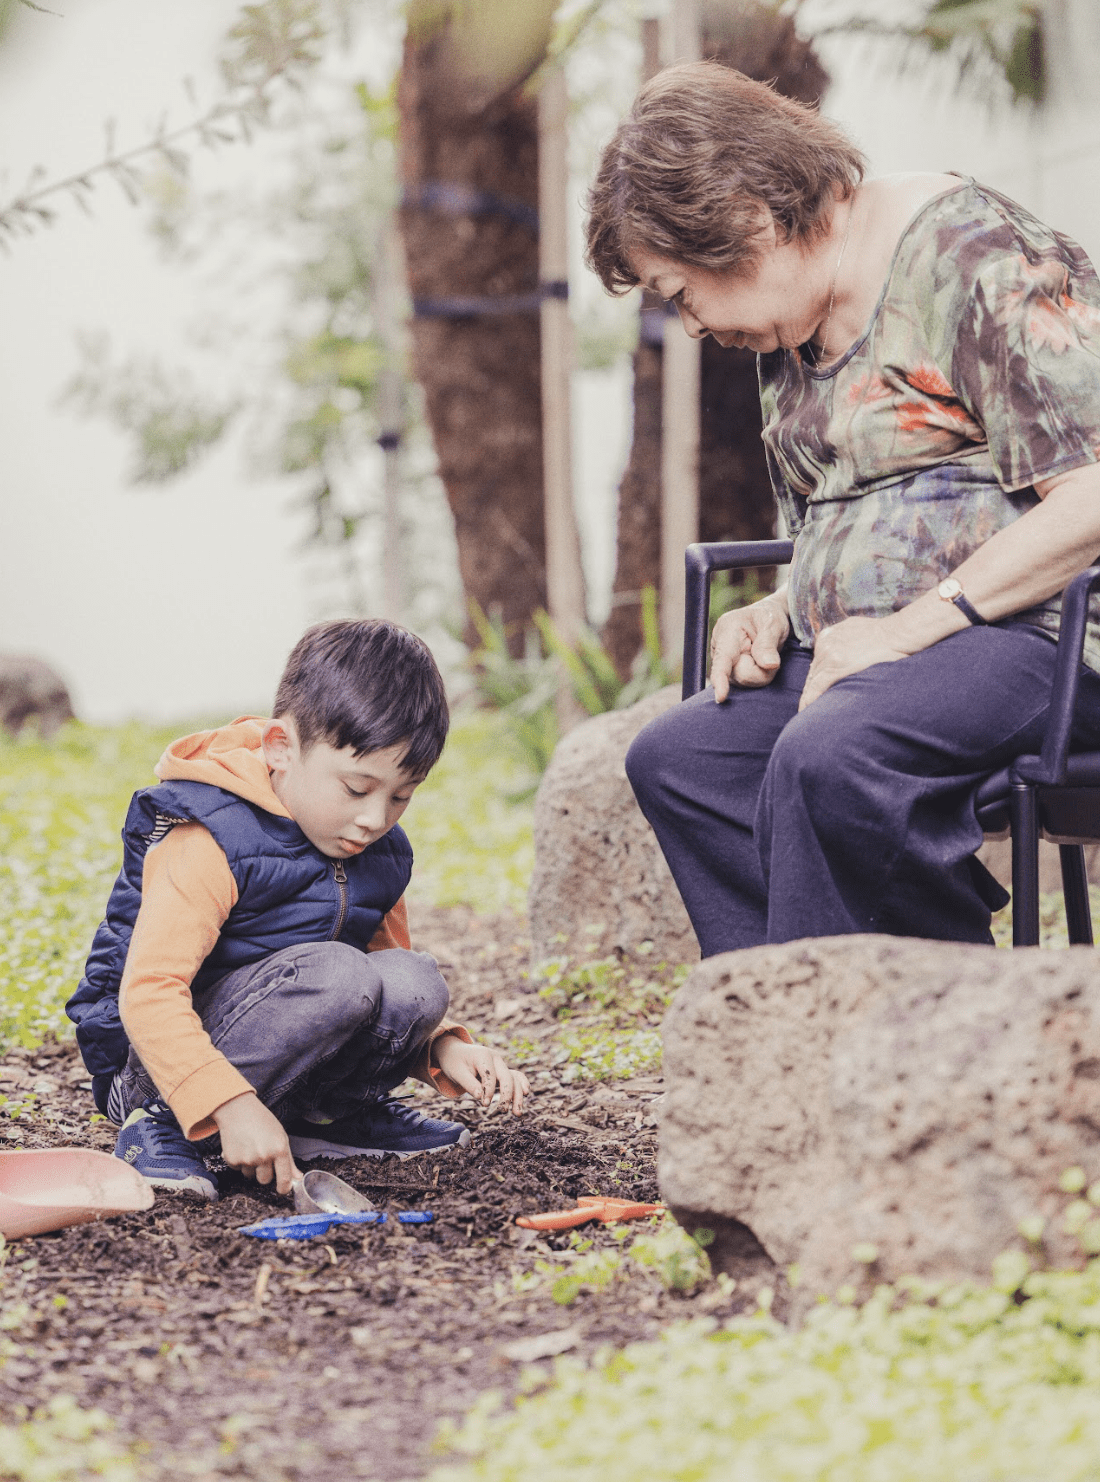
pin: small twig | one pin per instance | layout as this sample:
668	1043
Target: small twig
259	1292
118	164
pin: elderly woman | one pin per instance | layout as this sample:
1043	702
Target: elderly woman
929	359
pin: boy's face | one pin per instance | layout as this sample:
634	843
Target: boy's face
341	802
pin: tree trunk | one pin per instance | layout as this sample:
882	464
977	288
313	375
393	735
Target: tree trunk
469	171
735	496
638	560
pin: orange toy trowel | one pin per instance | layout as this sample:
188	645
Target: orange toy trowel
50	1188
604	1210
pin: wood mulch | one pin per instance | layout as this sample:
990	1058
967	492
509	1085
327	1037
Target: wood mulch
339	1357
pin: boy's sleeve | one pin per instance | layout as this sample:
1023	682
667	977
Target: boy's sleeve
431	1074
394	931
187	892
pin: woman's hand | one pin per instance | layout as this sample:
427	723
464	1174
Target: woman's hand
1024	563
849	647
481	1072
744	647
255	1141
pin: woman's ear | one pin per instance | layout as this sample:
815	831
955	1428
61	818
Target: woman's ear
279	740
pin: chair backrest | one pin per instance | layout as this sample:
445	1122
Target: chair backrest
700	562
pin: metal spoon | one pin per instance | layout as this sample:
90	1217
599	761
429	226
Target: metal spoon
318	1192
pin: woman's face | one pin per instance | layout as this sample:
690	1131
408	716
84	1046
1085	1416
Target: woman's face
780	302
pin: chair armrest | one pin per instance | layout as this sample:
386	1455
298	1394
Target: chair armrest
700	561
1049	767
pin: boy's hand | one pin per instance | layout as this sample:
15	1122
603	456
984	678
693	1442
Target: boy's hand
255	1141
480	1071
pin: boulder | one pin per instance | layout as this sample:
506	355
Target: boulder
31	690
600	883
920	1098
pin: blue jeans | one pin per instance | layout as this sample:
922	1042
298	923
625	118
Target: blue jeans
857	814
316	1029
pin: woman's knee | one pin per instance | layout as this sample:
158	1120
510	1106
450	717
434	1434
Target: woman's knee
823	752
659	749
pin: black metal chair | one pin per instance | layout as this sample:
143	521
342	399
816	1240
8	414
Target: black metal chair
1054	795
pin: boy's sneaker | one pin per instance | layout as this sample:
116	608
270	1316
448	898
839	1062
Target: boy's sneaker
377	1128
152	1142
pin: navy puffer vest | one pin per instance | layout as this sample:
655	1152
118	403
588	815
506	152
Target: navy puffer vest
288	893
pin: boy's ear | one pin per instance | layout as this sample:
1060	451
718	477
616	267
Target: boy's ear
279	740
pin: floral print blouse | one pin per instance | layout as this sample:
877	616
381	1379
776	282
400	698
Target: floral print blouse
978	374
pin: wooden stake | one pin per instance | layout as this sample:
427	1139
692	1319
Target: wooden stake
680	411
564	574
391	419
651	47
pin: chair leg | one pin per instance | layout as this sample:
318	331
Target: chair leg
1025	865
1075	888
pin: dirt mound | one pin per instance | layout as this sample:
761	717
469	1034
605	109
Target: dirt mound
338	1357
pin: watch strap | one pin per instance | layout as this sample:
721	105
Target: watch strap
970	612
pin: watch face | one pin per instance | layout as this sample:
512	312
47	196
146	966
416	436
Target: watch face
949	589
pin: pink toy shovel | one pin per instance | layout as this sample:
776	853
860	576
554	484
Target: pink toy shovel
49	1188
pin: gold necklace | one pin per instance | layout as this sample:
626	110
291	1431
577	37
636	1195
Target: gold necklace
819	355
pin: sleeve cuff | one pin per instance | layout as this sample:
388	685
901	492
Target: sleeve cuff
195	1099
432	1073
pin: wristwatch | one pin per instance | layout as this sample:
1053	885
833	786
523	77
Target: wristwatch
951	591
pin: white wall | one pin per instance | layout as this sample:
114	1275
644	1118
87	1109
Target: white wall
1046	158
169	601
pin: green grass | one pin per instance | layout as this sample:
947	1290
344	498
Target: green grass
474	845
62	805
65	1444
1052	920
61	811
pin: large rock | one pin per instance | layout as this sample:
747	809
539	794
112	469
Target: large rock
919	1097
31	690
600	883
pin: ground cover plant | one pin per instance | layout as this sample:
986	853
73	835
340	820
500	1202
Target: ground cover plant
167	1345
995	1384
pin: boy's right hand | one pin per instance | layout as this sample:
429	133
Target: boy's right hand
255	1141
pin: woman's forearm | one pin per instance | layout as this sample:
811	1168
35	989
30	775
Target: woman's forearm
1025	563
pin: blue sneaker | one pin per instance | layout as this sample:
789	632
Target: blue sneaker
377	1128
152	1142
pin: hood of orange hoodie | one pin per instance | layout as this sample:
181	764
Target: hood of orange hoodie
231	757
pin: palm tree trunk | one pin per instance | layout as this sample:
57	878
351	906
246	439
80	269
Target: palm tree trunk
469	220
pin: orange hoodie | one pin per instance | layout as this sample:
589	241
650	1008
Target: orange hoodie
188	890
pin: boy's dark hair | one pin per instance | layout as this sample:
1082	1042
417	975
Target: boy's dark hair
368	685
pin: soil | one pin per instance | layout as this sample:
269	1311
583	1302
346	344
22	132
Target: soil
339	1357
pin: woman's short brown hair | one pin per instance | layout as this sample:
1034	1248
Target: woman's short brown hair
703	149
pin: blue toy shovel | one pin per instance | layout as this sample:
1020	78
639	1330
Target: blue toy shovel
323	1200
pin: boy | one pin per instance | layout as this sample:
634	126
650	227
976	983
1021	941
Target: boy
252	980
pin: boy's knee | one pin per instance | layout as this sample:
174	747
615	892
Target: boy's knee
345	977
415	980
